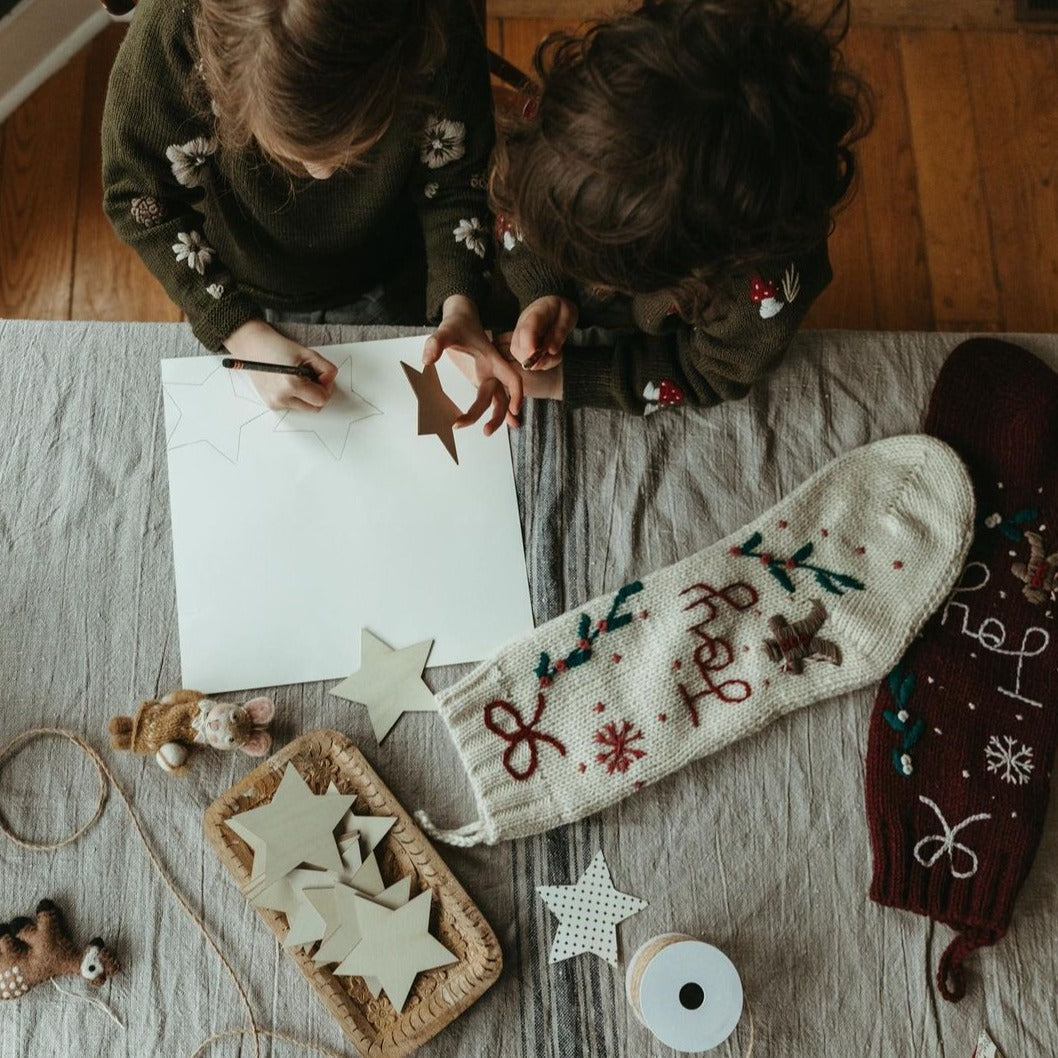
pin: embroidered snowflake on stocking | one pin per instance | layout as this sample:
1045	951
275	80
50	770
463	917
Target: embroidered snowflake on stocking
619	753
1010	760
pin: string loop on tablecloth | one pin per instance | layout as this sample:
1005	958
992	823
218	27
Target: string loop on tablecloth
106	780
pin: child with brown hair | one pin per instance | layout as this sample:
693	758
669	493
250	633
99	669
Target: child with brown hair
680	168
270	157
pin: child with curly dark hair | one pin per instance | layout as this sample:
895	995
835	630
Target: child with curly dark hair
681	167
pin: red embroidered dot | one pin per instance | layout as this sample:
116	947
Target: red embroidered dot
824	532
861	551
637	786
663	717
784	524
677	664
545	681
765	559
603	625
599	707
584	644
617	657
582	767
790	564
560	666
644	614
898	564
767	683
734	551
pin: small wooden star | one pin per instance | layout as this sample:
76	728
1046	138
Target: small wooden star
343	930
388	682
437	411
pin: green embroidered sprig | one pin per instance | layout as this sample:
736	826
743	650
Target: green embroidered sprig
781	568
901	687
1013	527
586	636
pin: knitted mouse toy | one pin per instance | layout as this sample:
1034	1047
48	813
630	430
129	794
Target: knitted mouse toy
169	727
39	949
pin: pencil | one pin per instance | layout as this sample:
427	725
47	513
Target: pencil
301	370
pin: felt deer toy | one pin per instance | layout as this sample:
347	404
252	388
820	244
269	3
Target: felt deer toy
38	949
171	726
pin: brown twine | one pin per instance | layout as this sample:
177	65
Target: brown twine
106	776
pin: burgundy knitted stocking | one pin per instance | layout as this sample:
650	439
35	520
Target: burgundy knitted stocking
963	733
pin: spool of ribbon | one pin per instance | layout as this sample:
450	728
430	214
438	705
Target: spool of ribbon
686	992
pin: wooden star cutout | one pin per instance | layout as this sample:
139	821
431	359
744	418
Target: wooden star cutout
395	946
437	411
284	894
370	829
588	913
388	682
295	827
343	932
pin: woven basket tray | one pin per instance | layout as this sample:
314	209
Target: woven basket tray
438	996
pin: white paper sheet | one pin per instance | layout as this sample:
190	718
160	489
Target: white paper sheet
291	531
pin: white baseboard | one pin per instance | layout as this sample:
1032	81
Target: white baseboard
39	37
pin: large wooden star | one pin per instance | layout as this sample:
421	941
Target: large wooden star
388	682
437	411
395	946
295	827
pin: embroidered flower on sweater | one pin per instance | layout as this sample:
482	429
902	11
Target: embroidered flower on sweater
431	189
473	233
192	249
215	290
148	211
663	394
187	159
508	235
479	181
443	141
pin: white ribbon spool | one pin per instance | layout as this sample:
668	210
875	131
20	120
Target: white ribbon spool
686	992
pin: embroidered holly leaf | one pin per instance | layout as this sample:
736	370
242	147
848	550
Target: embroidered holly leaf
803	552
846	581
1011	532
898	762
615	620
782	577
543	666
894	680
751	543
915	733
584	627
907	688
1029	514
894	721
824	581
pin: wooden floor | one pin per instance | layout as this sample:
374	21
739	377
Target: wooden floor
954	227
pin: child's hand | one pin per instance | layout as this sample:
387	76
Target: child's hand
536	342
257	340
499	382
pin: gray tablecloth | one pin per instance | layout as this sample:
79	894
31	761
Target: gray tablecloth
763	849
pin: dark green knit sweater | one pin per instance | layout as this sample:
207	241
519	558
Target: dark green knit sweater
229	232
662	360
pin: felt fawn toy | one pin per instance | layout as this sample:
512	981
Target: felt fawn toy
39	949
171	726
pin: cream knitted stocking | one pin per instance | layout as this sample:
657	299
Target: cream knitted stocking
819	596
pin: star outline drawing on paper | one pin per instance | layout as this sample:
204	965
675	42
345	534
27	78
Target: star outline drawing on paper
320	423
211	384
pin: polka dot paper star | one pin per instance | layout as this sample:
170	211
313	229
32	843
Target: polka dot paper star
588	913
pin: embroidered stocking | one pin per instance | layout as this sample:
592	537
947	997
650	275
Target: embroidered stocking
819	596
962	737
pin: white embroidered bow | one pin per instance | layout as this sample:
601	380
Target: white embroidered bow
946	842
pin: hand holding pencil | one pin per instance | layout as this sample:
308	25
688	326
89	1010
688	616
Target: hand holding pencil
286	374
